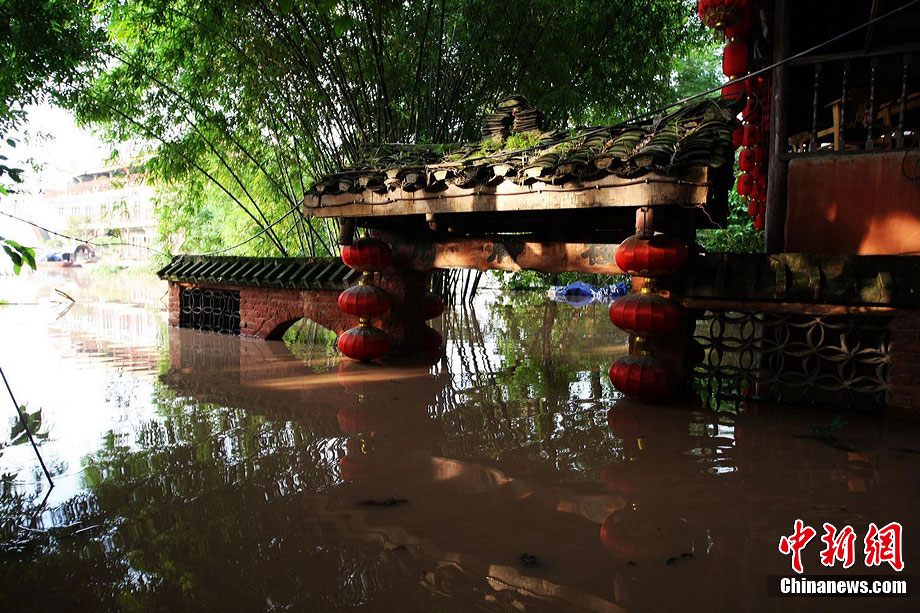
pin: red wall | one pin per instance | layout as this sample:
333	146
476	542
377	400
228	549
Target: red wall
853	204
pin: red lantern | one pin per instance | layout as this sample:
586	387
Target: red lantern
369	254
433	306
751	136
744	184
752	208
735	59
642	376
737	136
746	160
760	155
657	256
721	14
758	192
364	301
645	314
364	343
758	222
757	173
734	90
743	27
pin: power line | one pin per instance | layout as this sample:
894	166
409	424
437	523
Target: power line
74	238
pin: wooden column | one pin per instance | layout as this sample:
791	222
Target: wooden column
775	222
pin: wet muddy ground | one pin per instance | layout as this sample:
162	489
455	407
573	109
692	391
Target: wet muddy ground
199	471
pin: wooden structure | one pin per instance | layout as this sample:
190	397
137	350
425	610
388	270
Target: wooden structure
560	188
845	121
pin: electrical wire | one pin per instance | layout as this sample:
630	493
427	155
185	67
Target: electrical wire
74	238
647	114
254	236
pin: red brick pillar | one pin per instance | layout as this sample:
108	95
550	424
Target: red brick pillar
174	303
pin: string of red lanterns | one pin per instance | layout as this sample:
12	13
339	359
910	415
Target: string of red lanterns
737	18
646	313
365	342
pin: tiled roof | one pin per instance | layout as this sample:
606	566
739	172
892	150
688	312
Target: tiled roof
291	273
693	136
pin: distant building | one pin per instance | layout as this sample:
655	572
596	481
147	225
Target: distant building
104	206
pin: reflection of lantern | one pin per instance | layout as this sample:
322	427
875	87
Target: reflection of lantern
368	254
721	14
745	184
642	376
645	314
627	478
364	301
658	427
735	59
638	534
364	343
657	256
433	306
358	379
360	418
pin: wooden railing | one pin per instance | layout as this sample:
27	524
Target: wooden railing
859	102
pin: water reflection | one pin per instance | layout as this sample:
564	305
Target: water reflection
200	471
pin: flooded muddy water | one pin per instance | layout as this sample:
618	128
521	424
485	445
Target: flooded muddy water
199	471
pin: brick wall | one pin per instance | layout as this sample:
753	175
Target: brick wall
266	313
904	373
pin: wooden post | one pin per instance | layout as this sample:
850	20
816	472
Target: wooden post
775	222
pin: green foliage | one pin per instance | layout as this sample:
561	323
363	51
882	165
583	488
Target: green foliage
47	49
18	254
532	280
828	432
739	235
255	98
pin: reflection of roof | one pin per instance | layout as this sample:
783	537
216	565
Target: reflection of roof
292	273
697	135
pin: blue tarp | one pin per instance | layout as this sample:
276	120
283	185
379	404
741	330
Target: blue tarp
581	294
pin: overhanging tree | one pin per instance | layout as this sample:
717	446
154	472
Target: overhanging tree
243	102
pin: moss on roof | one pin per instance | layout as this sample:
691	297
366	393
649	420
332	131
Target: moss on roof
695	135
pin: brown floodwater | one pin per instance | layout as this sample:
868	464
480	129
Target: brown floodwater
199	471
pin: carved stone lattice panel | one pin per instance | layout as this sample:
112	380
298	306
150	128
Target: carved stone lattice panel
212	310
836	360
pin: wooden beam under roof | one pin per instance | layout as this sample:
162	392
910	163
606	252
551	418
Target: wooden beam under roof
691	188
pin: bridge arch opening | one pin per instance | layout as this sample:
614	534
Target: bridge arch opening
303	332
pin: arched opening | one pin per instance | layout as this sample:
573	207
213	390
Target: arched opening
305	338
